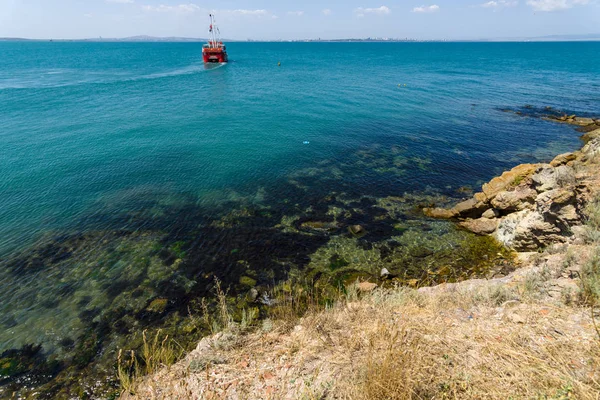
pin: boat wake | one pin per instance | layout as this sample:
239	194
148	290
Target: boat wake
63	78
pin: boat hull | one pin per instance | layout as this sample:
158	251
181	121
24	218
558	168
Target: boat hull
214	56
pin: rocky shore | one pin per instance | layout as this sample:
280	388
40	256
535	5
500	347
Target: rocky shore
530	333
535	205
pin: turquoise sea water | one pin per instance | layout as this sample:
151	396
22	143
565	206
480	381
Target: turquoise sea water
109	143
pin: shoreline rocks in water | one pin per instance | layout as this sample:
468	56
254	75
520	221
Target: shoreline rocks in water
533	205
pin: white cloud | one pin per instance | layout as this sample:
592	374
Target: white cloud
554	5
426	9
256	13
181	8
361	12
193	8
120	1
499	4
326	11
246	13
296	13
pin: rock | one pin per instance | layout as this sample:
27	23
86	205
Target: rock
508	179
491	214
556	197
319	226
549	178
515	318
357	230
366	287
583	121
253	294
481	226
464	190
591	150
558	204
480	197
527	231
543	179
562	159
469	208
590	136
521	198
384	273
440	213
580	232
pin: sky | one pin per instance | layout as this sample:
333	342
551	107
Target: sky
309	19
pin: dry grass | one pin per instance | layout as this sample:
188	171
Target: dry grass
156	353
402	344
431	352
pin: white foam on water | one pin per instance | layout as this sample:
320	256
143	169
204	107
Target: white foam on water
38	79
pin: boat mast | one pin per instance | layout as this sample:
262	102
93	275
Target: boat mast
214	30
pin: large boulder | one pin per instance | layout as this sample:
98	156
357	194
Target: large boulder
508	179
440	213
480	226
583	121
548	178
559	206
522	198
528	231
471	208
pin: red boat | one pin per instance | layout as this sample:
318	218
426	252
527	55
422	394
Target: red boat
214	51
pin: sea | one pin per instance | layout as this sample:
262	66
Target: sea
132	176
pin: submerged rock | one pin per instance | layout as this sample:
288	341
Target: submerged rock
357	230
319	226
583	121
440	213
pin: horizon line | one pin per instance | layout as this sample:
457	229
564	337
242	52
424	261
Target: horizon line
149	38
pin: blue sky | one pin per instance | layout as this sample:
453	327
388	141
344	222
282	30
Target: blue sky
328	19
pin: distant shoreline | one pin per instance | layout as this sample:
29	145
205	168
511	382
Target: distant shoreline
151	39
